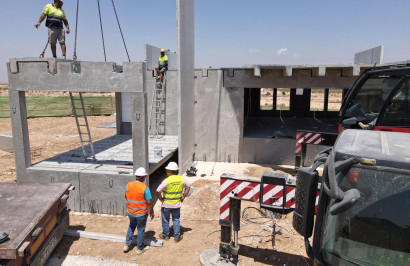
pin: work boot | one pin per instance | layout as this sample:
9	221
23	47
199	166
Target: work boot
163	237
126	248
140	251
179	239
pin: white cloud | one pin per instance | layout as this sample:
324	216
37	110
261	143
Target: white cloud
254	51
282	51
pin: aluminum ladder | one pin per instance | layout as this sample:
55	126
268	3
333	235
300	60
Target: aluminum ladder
82	126
157	114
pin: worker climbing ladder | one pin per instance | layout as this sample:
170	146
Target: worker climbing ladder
82	124
157	115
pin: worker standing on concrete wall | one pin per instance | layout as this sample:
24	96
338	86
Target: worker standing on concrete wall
172	192
138	198
55	19
162	65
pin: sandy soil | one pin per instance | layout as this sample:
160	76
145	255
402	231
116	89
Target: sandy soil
200	212
317	99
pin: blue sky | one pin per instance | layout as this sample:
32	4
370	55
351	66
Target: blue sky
227	32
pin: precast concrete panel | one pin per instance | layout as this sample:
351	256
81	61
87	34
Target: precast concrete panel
45	176
152	54
185	54
102	193
126	106
19	126
28	74
230	132
208	90
300	78
276	151
140	131
370	57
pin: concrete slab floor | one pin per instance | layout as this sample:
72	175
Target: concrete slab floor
113	155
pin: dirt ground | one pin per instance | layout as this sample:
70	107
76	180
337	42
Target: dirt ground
316	103
199	214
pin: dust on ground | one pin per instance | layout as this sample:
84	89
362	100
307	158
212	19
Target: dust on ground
199	214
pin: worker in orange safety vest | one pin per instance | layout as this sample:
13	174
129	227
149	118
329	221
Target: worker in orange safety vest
138	198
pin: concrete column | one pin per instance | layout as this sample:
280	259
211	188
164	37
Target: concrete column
186	59
18	114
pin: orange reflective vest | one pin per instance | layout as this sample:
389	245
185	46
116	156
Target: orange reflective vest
136	203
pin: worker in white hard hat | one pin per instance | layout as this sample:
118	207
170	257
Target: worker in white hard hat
162	65
138	198
172	192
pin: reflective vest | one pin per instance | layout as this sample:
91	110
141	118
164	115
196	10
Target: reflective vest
55	16
136	203
162	59
173	193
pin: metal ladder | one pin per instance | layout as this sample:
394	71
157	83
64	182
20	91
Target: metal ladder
157	115
83	125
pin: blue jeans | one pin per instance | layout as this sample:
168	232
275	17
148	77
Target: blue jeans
166	213
140	223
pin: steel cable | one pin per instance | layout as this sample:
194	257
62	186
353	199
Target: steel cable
102	32
119	26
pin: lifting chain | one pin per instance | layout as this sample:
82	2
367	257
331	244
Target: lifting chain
75	35
45	48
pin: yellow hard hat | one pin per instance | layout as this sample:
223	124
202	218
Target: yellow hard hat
162	50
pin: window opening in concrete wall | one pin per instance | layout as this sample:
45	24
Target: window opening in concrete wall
335	100
283	99
317	99
266	99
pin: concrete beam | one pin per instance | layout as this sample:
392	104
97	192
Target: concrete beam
185	54
30	74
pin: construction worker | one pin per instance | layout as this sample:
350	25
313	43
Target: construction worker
55	19
138	198
172	192
162	65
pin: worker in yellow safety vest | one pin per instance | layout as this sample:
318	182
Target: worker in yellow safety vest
138	198
162	65
55	19
172	192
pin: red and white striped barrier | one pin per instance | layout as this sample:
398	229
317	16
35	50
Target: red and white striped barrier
250	190
308	138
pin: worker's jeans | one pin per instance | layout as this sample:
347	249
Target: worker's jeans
140	223
166	213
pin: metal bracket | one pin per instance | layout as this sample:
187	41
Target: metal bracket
75	67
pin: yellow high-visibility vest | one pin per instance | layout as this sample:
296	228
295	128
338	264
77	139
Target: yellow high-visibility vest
173	193
162	60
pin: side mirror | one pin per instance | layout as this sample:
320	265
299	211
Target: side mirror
305	198
349	199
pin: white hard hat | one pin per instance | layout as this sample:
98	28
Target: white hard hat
141	172
172	166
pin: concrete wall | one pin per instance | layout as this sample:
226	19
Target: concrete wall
151	56
370	57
